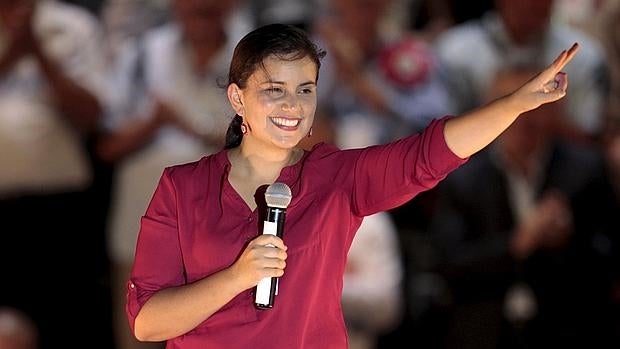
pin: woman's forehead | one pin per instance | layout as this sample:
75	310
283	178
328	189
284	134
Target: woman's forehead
283	70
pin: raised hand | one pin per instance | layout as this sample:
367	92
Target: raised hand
548	86
474	130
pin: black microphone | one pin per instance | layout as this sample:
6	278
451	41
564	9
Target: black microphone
278	197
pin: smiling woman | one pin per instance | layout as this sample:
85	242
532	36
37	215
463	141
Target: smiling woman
199	255
272	69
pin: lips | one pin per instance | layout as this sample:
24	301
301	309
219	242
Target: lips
288	124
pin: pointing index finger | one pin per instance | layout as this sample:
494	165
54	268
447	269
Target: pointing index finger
563	58
568	56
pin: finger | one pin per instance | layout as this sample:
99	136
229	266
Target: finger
572	52
271	240
561	80
274	263
549	72
273	272
569	56
556	66
275	253
272	268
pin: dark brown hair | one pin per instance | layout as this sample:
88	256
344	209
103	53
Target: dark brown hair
285	41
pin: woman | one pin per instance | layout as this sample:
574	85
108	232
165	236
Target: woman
199	255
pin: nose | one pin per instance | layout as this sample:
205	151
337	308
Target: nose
291	102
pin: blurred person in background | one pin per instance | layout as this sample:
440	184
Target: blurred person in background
582	14
526	239
372	296
126	21
378	82
300	13
432	17
601	18
51	86
608	30
165	107
522	33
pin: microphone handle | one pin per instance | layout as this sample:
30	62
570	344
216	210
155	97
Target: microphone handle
267	288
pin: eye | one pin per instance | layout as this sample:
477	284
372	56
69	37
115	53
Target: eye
275	91
306	91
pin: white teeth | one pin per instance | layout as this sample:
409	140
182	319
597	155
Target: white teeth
285	122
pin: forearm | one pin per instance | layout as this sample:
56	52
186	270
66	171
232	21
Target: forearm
469	133
175	311
115	146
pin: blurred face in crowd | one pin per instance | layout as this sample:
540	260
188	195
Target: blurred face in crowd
279	102
360	18
202	20
525	19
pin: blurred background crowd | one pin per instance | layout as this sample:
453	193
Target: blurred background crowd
519	248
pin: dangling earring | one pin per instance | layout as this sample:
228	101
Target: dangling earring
244	129
310	132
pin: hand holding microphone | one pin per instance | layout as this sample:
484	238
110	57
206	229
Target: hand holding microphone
278	197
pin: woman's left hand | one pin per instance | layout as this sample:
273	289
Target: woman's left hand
548	86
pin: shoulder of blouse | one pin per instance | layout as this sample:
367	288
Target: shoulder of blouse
194	168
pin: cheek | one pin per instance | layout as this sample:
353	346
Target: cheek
266	105
309	105
309	111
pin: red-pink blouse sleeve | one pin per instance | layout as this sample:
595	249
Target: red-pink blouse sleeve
387	176
158	263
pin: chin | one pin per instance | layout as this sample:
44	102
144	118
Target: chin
287	143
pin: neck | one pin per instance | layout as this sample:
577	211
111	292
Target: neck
262	162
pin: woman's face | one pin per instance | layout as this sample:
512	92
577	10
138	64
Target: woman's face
279	102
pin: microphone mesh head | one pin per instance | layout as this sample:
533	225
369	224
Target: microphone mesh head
278	195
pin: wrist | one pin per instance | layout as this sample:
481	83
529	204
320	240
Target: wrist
510	103
238	283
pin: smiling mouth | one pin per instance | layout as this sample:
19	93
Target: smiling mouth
285	123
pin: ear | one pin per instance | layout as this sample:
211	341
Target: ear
235	97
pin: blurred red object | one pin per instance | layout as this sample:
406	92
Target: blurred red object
406	63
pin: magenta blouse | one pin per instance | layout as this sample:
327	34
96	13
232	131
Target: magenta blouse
196	224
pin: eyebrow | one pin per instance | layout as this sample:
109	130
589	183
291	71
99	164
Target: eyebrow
284	83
